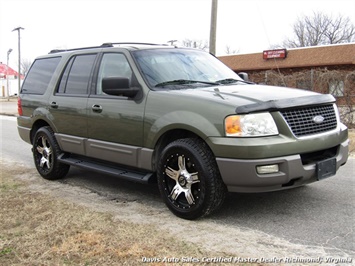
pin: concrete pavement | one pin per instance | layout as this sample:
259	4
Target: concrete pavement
8	107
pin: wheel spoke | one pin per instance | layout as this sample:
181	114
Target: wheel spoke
181	162
44	142
43	161
189	197
49	163
40	149
176	191
173	174
194	178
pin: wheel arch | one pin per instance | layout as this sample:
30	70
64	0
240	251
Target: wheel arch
168	137
37	125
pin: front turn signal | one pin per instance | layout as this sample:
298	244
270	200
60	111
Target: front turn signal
232	125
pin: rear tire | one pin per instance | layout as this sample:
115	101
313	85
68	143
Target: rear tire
189	180
45	154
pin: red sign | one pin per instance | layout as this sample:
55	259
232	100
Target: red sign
272	54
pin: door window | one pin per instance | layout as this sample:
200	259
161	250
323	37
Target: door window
76	77
113	65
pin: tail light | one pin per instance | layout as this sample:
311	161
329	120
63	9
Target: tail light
19	107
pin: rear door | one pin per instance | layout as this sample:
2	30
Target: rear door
69	102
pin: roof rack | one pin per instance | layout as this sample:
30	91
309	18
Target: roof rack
104	45
110	44
81	48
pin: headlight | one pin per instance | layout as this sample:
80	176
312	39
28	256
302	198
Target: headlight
250	125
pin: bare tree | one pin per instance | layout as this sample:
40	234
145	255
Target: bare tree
321	29
229	50
198	44
25	66
339	83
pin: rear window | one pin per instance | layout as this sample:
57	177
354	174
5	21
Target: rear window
39	76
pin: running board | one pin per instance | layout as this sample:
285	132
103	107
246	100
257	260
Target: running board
110	169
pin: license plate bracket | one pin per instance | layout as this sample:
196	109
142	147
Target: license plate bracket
326	168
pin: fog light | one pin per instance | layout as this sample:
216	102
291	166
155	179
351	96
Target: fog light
267	169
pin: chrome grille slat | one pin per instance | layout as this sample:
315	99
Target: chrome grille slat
301	120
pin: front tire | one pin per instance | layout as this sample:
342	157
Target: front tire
189	179
45	154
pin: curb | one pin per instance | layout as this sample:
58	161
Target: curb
7	114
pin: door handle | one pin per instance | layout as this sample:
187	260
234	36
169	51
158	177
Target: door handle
97	108
54	105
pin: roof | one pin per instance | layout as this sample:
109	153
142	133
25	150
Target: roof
7	70
330	55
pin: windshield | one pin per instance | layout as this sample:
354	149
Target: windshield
167	67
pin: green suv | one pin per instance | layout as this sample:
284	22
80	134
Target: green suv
178	117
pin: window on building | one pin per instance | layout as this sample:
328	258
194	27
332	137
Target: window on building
336	88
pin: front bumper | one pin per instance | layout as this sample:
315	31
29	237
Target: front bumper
240	175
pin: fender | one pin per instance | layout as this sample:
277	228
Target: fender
195	123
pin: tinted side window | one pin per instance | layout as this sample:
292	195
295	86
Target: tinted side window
39	76
113	65
75	79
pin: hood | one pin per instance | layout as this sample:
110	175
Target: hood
248	98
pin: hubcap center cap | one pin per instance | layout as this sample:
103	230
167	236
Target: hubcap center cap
182	180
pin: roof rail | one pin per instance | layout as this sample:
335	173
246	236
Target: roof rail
81	48
104	45
110	44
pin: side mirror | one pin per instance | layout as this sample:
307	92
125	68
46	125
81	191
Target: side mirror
118	86
244	76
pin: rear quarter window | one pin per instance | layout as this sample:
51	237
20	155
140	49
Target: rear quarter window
39	76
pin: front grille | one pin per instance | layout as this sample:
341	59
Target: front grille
301	121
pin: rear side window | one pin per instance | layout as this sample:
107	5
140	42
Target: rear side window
39	76
76	76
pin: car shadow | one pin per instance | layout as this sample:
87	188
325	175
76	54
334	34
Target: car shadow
238	207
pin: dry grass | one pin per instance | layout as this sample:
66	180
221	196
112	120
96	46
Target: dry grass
38	229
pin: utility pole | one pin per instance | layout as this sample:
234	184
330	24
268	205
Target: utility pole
213	28
172	42
7	74
18	29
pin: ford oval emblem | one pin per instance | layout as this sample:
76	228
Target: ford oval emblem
318	119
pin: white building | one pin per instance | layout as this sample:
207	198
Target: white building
9	84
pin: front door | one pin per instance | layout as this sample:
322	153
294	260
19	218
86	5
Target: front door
115	123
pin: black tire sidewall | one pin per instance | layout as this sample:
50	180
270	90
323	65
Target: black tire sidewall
57	170
205	166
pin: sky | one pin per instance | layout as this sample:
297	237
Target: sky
246	26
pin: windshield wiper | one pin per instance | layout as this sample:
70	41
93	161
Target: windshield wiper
231	80
184	82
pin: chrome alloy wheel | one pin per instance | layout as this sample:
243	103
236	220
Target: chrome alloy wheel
180	182
45	153
188	178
